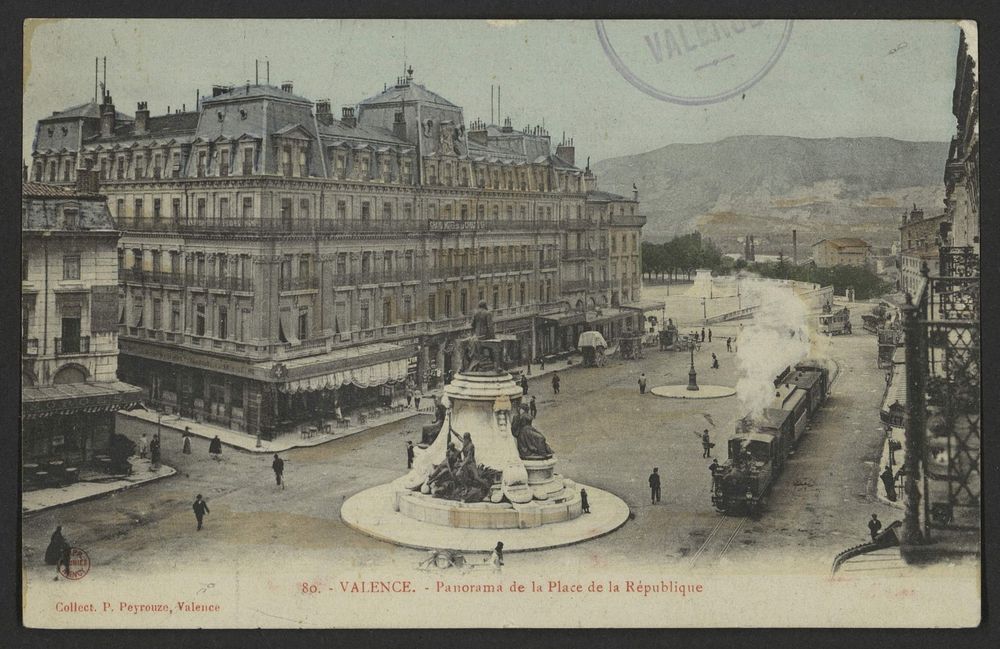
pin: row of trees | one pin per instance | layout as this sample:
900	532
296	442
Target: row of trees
864	281
682	256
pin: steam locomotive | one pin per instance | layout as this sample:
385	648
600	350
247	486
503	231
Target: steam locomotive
759	448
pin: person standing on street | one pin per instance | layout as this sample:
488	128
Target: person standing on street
654	486
143	446
874	526
279	469
887	482
416	398
706	444
703	334
215	448
200	509
584	501
497	558
642	383
715	361
524	384
555	382
709	335
154	450
186	442
409	396
729	344
533	408
409	454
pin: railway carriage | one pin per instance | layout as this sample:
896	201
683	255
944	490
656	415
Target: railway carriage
759	448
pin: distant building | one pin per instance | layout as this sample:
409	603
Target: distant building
841	252
69	324
919	240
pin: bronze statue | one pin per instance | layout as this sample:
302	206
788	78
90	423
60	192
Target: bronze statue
430	432
479	356
531	444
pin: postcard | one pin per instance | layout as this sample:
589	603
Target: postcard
300	351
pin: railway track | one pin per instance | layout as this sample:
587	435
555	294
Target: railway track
718	540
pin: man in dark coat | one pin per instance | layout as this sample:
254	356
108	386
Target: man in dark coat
279	468
887	481
200	509
555	382
409	454
57	547
874	526
706	444
215	447
584	501
533	408
154	450
709	335
524	384
654	486
642	383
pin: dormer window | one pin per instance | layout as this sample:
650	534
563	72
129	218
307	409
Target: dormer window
71	216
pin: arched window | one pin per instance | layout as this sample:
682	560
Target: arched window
70	374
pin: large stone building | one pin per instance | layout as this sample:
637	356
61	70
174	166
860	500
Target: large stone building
961	175
69	326
841	252
277	260
920	239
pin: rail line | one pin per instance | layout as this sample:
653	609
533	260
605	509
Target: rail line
719	539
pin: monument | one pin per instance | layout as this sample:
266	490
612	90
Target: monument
482	465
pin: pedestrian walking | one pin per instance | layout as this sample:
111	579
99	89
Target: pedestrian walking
874	525
709	335
416	398
279	469
541	362
57	547
409	454
409	397
524	384
555	382
703	334
888	482
143	446
715	361
154	450
533	408
706	444
654	486
215	448
584	501
729	344
497	557
186	442
200	509
642	383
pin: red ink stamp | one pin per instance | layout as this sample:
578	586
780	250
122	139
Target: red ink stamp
76	566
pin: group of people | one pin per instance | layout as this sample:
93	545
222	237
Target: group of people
150	448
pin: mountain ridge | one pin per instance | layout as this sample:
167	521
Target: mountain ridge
768	184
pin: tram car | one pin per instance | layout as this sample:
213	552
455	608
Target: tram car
836	323
759	448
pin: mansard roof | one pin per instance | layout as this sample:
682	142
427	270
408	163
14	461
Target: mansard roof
409	92
89	109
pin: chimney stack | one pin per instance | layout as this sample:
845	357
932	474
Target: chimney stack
323	113
478	133
348	118
141	118
107	115
506	128
566	150
286	86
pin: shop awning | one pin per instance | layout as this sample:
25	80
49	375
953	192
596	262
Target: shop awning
365	367
646	306
564	319
73	398
607	315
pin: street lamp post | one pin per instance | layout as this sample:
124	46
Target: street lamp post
692	375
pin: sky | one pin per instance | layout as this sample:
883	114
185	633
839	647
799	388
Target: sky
833	78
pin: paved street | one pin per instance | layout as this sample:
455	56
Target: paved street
604	434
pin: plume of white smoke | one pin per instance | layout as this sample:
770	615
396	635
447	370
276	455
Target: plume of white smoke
779	336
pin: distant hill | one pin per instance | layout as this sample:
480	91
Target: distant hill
767	185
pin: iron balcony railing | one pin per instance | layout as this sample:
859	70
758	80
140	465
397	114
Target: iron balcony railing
132	275
942	468
579	253
575	285
77	345
299	283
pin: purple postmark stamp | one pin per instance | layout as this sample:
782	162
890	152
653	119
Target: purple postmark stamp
693	62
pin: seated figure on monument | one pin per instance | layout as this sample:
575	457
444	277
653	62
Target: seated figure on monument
531	444
430	432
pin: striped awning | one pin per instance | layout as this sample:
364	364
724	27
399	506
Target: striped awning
362	377
75	398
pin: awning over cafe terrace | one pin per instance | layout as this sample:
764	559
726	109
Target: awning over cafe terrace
365	367
39	401
565	319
